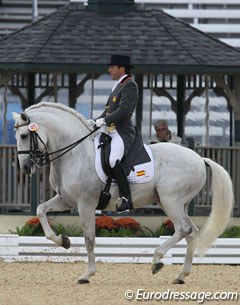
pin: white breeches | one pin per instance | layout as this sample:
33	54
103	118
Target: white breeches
117	148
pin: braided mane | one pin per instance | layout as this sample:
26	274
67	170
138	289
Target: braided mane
63	108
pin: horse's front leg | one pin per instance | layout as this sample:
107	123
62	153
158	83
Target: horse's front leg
58	205
87	217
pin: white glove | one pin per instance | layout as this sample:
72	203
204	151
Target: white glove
91	123
100	122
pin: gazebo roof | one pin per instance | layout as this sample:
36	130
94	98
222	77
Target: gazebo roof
77	39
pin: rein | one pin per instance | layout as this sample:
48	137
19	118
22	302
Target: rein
41	158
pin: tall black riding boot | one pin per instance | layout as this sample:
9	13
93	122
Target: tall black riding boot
124	189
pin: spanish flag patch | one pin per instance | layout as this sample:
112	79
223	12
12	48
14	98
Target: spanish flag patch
140	173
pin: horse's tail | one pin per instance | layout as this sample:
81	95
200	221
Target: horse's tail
222	204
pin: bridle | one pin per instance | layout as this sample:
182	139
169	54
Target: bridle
42	157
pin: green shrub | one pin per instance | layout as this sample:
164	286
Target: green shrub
232	232
32	227
121	232
167	228
108	227
69	230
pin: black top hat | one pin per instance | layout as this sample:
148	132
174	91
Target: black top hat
120	60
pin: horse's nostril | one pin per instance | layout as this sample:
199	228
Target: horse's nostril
27	168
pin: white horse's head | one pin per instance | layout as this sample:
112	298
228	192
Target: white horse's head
27	142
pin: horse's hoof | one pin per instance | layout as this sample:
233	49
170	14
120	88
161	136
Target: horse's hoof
156	267
178	281
66	242
83	281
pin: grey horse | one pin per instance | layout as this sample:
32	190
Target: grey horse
180	174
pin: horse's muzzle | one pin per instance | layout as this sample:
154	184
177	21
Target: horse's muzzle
27	167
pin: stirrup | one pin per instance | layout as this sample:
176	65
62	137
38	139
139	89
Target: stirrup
125	206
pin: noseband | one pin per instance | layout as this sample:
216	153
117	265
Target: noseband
42	157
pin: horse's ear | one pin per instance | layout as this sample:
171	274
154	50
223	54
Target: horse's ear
24	117
15	116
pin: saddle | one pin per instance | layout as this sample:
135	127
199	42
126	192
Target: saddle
137	155
105	146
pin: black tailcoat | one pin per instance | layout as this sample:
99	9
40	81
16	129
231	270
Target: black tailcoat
119	109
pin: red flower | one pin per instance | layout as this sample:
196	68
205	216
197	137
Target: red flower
128	223
105	222
168	224
33	221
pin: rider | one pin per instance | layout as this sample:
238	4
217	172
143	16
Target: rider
117	118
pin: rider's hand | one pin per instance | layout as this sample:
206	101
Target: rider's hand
100	122
91	123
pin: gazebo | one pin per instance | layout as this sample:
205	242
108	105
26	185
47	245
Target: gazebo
78	39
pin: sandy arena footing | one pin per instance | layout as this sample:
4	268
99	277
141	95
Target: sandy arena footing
56	283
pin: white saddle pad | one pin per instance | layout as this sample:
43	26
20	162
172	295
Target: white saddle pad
142	172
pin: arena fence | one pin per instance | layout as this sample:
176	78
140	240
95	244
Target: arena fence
20	193
114	250
229	158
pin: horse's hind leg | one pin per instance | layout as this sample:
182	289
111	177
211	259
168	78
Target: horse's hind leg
55	204
187	266
183	227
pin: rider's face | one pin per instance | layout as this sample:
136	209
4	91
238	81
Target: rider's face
116	72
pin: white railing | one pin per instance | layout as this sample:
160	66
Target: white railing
113	250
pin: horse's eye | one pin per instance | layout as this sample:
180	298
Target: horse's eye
23	136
